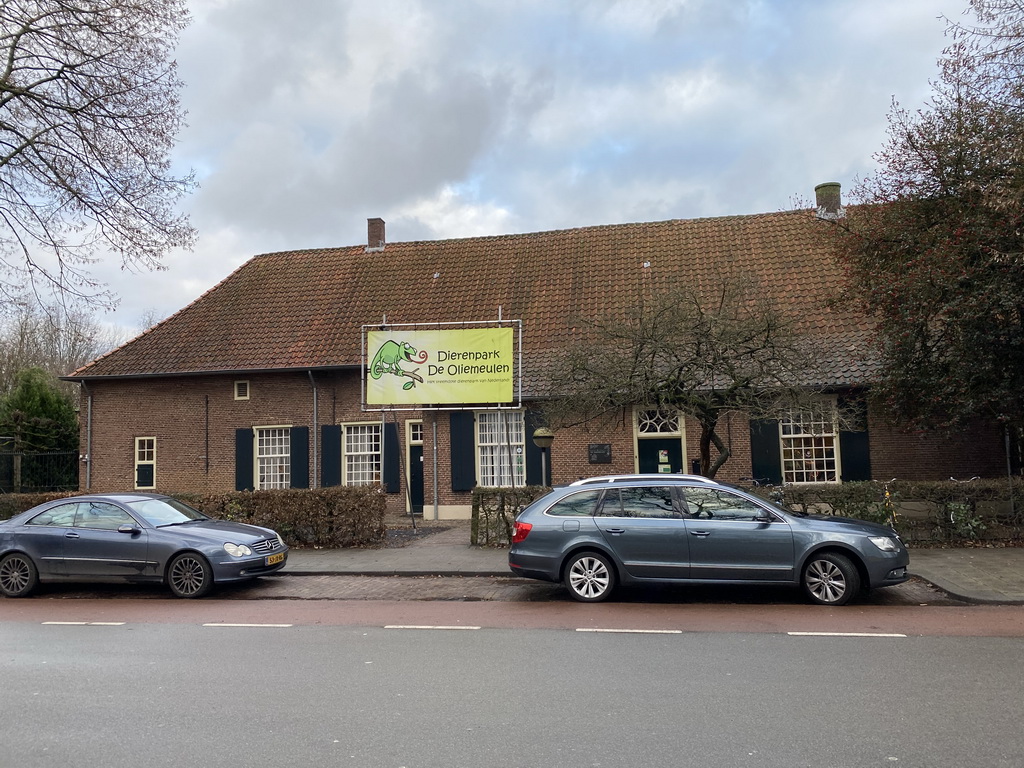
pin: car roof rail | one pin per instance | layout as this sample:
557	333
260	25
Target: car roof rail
644	476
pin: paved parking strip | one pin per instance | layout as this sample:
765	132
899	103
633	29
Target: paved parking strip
507	589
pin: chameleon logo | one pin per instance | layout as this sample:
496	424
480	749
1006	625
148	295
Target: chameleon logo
391	355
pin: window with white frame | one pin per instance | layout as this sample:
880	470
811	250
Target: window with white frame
502	448
652	421
810	439
145	462
362	454
273	458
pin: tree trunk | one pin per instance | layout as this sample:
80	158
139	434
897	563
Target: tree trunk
708	437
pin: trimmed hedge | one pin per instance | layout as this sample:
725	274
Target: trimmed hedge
320	518
494	511
933	512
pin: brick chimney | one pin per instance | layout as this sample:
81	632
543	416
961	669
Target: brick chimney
374	235
827	198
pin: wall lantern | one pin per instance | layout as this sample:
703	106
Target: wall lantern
543	438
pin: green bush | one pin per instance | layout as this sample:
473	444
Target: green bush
321	518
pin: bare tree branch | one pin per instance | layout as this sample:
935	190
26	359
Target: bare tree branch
89	112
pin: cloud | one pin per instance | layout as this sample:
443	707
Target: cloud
452	119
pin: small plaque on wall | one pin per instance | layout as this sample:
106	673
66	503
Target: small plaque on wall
600	453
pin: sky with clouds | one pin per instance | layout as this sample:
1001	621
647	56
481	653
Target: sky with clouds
456	118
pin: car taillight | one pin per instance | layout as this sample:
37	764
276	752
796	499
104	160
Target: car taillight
520	531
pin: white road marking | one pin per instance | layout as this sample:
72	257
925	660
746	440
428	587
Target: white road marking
248	625
844	634
87	623
423	626
633	631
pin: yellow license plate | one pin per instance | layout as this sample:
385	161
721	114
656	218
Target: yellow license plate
274	559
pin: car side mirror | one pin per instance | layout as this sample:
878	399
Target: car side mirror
132	529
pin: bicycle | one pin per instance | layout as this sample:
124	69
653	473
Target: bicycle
963	520
889	506
777	494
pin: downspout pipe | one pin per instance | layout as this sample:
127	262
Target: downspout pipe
87	458
316	433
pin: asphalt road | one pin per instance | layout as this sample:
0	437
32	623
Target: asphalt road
186	694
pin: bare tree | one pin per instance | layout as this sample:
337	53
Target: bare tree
88	115
55	339
701	354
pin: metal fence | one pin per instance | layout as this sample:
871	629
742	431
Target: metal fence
38	472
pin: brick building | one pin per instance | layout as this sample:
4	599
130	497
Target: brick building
258	383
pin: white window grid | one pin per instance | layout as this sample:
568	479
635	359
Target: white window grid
145	450
273	458
416	432
654	421
501	444
362	454
809	452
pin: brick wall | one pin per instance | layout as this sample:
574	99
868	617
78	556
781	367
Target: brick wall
194	420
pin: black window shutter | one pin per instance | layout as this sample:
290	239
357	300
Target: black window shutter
243	460
534	468
330	455
391	469
299	439
765	451
461	426
143	475
854	447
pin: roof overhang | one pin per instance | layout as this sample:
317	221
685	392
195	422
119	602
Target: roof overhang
223	372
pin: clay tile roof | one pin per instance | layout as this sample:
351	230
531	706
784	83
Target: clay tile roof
305	309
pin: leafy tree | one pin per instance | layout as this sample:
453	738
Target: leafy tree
88	115
37	416
935	250
702	354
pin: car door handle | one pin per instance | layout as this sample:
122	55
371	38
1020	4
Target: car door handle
614	531
71	535
702	534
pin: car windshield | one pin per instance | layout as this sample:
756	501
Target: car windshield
158	512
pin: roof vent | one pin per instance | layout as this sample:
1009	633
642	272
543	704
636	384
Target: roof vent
374	235
827	198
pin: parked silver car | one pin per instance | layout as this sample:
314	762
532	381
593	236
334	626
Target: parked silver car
134	537
645	529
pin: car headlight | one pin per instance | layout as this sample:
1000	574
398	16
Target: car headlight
885	544
280	541
237	550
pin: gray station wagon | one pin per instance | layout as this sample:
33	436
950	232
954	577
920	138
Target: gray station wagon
593	536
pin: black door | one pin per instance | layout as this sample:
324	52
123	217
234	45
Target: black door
659	455
416	478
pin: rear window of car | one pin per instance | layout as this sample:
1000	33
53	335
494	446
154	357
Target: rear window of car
62	516
580	504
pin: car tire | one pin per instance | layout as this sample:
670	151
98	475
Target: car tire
589	577
830	579
18	575
189	575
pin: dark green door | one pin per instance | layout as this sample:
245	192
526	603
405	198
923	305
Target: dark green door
416	478
659	455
